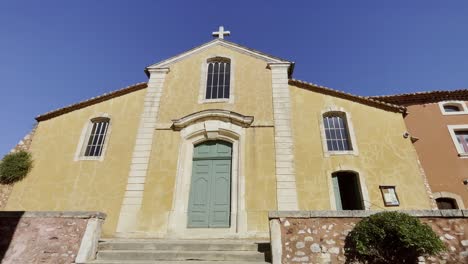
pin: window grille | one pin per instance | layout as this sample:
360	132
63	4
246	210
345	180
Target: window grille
218	80
97	137
462	139
336	133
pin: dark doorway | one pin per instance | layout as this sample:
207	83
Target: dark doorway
446	203
347	191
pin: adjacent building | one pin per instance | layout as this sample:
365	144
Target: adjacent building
438	125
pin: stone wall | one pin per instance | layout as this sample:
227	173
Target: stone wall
24	144
48	237
319	236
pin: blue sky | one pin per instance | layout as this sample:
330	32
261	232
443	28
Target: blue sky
55	53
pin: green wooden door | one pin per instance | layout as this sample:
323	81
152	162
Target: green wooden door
210	188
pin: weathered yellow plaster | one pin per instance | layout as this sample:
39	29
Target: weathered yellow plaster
160	182
252	87
57	182
260	179
385	156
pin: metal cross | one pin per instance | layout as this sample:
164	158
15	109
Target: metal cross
221	33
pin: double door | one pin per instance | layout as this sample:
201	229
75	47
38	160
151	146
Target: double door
210	189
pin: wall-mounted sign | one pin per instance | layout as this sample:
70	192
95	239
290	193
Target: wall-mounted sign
389	195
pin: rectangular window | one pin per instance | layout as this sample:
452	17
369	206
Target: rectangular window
336	133
96	140
462	139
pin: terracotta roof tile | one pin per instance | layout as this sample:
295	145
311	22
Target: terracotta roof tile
423	97
91	101
361	99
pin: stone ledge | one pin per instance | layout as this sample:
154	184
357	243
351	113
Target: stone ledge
366	213
53	214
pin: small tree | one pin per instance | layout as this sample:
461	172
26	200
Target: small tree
391	237
15	166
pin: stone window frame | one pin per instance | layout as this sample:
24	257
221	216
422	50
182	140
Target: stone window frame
452	129
203	80
191	135
351	132
460	104
85	133
450	195
362	184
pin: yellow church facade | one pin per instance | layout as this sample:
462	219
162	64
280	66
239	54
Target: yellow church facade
219	136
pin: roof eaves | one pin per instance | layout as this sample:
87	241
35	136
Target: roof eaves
424	97
179	56
91	101
348	96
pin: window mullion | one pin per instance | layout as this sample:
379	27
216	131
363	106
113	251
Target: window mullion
217	84
340	127
103	138
97	151
96	138
224	80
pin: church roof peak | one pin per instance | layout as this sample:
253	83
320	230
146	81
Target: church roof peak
228	44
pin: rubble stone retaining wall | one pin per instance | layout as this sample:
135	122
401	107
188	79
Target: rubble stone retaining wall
319	236
24	144
49	237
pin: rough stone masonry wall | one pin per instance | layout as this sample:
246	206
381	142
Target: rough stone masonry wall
47	237
319	236
24	144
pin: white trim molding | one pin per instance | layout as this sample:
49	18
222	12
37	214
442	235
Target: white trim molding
133	196
195	133
286	190
452	129
450	195
85	133
362	184
217	42
203	79
351	132
460	104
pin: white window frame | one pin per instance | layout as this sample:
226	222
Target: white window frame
460	104
351	133
450	195
85	133
203	81
452	129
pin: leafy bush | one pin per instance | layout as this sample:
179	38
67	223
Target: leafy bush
14	167
391	237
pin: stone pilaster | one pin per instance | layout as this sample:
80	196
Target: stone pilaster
286	191
141	153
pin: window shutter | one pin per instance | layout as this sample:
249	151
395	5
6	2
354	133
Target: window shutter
336	191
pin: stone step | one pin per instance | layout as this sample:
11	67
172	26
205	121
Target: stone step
182	245
132	255
172	262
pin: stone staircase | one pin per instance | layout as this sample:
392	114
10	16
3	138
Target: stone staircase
156	251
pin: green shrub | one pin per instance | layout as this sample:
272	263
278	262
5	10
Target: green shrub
14	167
391	237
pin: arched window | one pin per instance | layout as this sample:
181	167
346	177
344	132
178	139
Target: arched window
446	203
218	78
347	190
337	132
96	137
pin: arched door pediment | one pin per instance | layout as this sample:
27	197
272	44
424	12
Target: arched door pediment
212	114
